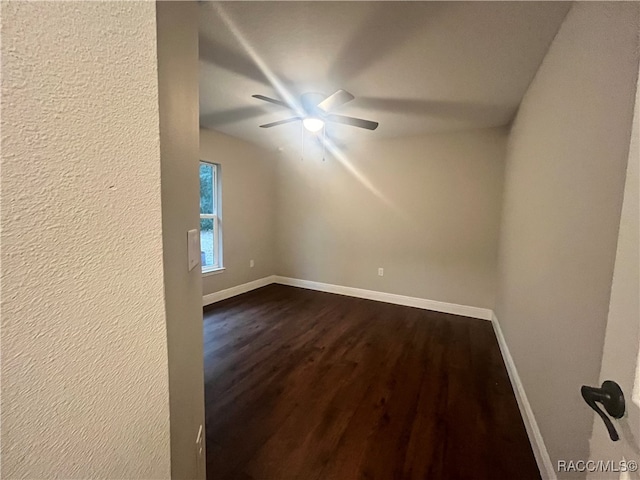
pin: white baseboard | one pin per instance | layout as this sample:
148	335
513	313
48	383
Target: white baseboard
535	437
237	290
453	308
464	310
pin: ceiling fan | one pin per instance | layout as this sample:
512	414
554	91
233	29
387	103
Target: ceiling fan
316	111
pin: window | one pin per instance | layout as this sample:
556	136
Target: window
210	236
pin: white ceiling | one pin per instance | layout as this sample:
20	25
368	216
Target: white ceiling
415	67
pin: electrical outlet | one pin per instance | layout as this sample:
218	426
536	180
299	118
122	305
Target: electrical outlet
199	460
252	263
200	442
381	272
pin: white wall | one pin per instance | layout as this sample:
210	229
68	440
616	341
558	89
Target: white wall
179	130
84	356
248	215
564	180
426	209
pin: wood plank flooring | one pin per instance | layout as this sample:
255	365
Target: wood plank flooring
314	386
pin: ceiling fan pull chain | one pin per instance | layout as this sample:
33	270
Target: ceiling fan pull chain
302	132
324	140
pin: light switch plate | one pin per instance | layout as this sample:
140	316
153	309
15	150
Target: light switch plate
193	239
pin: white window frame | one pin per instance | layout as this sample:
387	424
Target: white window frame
217	219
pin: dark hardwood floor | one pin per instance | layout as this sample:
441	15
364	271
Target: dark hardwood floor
313	386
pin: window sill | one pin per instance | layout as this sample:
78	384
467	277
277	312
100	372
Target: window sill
213	271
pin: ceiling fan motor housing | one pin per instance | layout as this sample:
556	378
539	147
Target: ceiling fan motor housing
310	103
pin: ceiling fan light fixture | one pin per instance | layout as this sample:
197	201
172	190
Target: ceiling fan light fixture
313	124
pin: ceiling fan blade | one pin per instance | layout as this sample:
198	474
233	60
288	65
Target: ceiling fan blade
271	100
355	122
335	100
281	122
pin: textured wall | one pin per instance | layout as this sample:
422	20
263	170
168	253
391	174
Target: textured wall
564	181
248	216
178	100
426	209
84	357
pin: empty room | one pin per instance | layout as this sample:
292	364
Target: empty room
320	240
409	211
